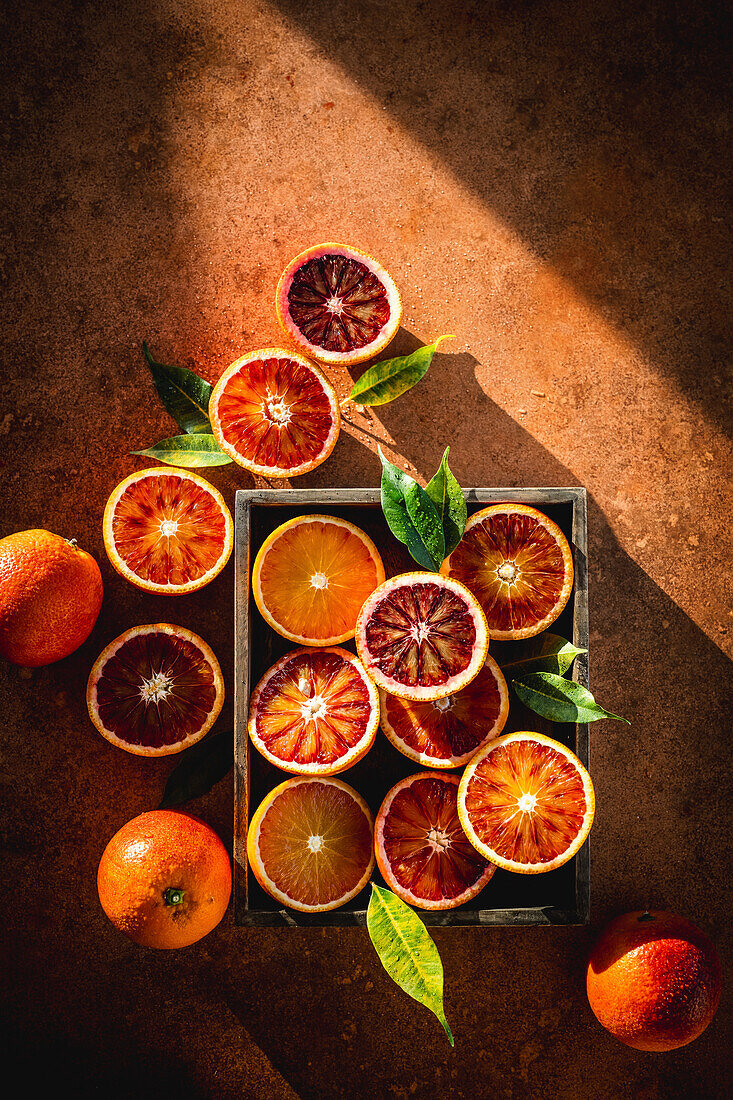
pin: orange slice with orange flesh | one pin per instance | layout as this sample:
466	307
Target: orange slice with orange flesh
338	304
315	712
447	733
167	530
518	563
526	803
155	690
421	848
275	413
311	577
310	844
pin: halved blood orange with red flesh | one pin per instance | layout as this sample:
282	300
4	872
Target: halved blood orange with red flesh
315	712
155	690
518	563
310	844
422	636
526	803
338	304
275	413
311	577
447	733
421	848
167	530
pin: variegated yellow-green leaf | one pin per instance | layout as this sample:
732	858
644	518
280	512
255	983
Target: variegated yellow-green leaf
187	450
392	377
184	395
407	952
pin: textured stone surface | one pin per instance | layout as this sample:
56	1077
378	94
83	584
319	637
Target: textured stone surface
544	180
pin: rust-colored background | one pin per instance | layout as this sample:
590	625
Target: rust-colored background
546	180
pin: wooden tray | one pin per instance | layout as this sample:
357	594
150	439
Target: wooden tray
558	897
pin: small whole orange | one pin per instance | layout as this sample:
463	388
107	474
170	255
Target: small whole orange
165	879
50	596
653	980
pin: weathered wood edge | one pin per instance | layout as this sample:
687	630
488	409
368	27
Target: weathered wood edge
244	500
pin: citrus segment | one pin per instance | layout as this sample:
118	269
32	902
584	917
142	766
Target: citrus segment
421	848
447	733
422	636
315	712
518	563
167	530
311	577
338	304
310	844
155	690
526	803
274	413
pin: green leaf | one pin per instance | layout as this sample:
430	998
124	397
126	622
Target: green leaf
201	768
391	378
545	653
559	700
411	516
184	395
447	496
406	951
187	450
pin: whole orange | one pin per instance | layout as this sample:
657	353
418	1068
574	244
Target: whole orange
165	879
654	980
50	596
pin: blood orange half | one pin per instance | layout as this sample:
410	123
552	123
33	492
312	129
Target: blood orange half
167	530
315	712
274	413
338	304
422	636
421	848
519	565
448	732
311	577
155	690
526	803
310	844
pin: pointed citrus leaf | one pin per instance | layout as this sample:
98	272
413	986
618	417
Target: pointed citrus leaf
184	395
407	952
187	450
545	653
411	516
391	378
450	503
559	700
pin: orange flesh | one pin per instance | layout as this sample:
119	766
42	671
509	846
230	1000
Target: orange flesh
156	690
318	816
502	541
338	303
427	849
276	413
312	554
526	770
421	634
449	727
314	709
153	506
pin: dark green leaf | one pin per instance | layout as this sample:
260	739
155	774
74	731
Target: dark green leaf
545	653
447	496
201	768
406	951
559	700
404	502
391	378
184	395
187	450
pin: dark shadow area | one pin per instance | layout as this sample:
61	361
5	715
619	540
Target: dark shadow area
598	131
